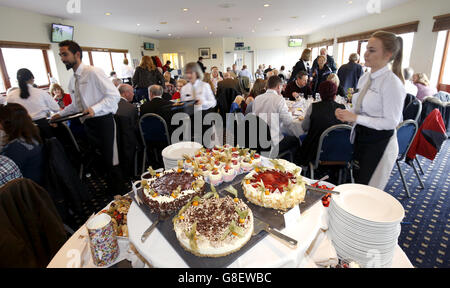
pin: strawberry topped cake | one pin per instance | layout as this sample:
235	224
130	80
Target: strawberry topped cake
281	187
213	227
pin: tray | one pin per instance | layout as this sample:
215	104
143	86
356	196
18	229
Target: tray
166	229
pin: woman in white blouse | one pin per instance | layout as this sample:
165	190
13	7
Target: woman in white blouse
196	89
38	103
377	111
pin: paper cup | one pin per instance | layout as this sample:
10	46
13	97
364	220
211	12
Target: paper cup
103	241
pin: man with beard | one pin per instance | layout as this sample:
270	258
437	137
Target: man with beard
94	94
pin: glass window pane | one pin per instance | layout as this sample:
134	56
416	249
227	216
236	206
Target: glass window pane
349	48
102	60
446	75
363	51
117	59
315	53
408	40
32	59
2	84
85	59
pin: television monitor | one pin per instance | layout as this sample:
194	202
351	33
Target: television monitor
61	33
149	46
295	42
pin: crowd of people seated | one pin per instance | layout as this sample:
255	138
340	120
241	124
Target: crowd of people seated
113	106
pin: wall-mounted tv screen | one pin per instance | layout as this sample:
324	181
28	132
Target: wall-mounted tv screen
295	42
61	33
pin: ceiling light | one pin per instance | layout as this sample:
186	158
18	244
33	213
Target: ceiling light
266	5
108	14
185	9
163	23
198	22
253	31
138	24
350	2
169	34
259	19
210	33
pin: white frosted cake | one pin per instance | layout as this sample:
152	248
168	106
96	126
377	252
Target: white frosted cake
281	187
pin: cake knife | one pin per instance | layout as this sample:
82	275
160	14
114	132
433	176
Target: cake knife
262	226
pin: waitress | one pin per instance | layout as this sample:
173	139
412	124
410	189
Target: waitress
377	111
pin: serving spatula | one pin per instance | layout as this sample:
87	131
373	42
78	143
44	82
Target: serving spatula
259	226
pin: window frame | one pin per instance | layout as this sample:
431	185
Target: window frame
89	50
441	86
23	45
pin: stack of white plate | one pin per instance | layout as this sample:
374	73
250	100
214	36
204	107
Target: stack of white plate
364	224
173	153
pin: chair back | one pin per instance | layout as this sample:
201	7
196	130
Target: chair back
252	138
428	105
335	146
153	128
413	110
406	132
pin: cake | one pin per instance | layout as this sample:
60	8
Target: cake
281	187
212	226
168	191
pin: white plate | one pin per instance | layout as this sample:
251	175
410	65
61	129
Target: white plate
176	151
368	203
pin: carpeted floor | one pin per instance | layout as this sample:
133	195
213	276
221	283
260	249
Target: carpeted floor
426	229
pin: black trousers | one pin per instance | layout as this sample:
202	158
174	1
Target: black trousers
370	145
100	134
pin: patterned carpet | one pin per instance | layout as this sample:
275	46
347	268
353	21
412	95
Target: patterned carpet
426	229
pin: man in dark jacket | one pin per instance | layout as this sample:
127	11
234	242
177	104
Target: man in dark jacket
350	73
127	126
228	82
158	105
300	85
200	63
330	61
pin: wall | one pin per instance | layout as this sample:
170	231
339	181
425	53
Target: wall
190	49
424	40
24	26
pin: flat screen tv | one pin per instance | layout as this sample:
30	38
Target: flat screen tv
61	33
295	42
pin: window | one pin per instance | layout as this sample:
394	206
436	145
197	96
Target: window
444	75
173	58
102	60
408	40
106	59
17	55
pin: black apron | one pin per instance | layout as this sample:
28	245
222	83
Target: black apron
370	145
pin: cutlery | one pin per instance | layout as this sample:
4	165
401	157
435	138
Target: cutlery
262	226
323	191
153	226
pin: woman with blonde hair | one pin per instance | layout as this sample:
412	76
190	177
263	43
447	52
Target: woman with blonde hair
377	111
302	65
60	97
207	79
145	76
423	86
215	78
180	84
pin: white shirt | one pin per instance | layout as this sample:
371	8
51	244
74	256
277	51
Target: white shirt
126	72
246	73
97	92
39	105
203	93
382	107
411	88
272	103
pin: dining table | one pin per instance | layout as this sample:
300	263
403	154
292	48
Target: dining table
309	228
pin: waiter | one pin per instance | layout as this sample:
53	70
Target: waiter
95	95
377	111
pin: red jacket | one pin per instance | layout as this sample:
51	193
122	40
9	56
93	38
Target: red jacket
429	138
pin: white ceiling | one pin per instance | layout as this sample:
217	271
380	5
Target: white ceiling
281	18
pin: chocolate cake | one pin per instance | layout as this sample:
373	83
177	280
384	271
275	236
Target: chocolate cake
167	192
